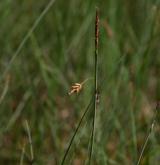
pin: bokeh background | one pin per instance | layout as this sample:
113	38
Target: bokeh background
45	47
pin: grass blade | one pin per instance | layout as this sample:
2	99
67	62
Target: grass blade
149	134
30	142
24	40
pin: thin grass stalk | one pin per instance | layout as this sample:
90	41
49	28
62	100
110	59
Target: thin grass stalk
148	135
76	131
30	142
22	155
95	85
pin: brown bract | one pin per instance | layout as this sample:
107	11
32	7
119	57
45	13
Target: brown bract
76	88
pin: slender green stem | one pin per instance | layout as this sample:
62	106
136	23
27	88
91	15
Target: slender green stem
22	155
75	132
143	148
95	86
30	142
82	83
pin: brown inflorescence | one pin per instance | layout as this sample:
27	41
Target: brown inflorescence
96	28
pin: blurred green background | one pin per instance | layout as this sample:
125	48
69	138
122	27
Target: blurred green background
46	46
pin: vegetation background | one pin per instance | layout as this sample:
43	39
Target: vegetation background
43	53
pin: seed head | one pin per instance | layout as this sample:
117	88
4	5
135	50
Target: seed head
76	88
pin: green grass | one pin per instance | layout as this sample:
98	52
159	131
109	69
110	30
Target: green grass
46	46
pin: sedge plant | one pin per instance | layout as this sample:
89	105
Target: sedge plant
76	88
